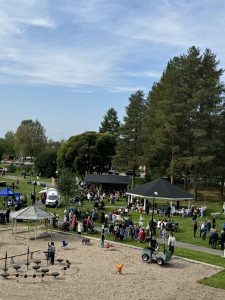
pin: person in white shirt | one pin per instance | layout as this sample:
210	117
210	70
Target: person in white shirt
171	242
224	207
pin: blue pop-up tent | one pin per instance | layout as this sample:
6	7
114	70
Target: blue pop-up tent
6	192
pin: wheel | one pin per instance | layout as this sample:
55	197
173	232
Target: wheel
159	261
145	257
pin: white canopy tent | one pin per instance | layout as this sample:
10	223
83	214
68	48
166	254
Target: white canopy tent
30	213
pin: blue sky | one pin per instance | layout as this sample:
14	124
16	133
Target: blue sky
66	62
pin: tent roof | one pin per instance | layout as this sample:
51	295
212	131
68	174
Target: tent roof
7	192
164	189
31	213
113	179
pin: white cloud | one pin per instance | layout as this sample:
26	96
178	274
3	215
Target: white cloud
82	91
127	89
101	40
39	22
165	28
16	17
145	74
61	66
93	11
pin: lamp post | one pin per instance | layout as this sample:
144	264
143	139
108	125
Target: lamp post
153	204
33	194
34	183
56	173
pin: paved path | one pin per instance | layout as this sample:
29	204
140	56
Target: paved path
199	248
208	250
39	182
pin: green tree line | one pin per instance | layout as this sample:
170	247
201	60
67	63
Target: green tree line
176	130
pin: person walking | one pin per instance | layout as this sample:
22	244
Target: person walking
51	251
171	242
7	214
195	228
102	240
33	197
214	222
102	217
214	238
203	230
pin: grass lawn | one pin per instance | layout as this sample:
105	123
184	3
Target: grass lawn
216	281
210	197
200	256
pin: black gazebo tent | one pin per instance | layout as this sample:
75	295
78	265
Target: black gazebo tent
162	189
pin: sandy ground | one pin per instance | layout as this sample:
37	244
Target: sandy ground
92	273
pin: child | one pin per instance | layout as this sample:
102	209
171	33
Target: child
102	240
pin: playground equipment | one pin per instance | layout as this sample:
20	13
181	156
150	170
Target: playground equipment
55	274
41	272
119	268
64	244
60	260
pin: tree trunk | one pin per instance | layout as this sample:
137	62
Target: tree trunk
185	183
195	192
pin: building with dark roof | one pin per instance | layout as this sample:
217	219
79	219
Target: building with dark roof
108	182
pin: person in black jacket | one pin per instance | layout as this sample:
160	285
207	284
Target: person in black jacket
7	214
102	217
195	227
51	252
214	238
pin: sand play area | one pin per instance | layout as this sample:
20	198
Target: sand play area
92	273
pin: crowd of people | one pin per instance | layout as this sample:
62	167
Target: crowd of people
207	228
115	223
118	224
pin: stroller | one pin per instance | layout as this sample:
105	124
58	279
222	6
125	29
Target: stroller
66	226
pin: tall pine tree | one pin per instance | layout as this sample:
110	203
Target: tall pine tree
129	150
110	123
183	110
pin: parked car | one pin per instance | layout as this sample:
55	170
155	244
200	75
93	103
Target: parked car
25	173
113	172
130	173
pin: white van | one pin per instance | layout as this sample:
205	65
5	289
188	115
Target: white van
53	198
